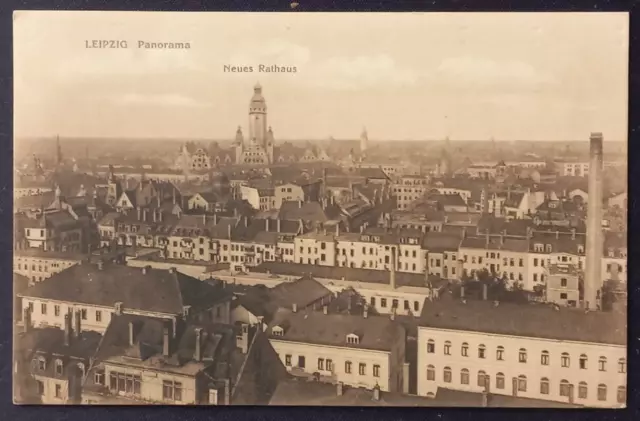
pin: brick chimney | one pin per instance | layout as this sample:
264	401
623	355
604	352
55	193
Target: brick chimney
484	292
166	338
593	272
197	354
67	329
266	225
77	330
376	393
325	309
132	339
294	307
278	225
227	391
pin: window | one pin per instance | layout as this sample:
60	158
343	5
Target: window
40	387
522	383
329	365
500	353
622	365
58	368
353	339
83	314
544	358
447	348
499	381
544	386
464	376
301	361
563	282
602	392
42	364
171	390
43	308
564	388
124	383
383	302
376	370
602	364
431	346
582	390
481	351
447	375
320	363
394	304
58	391
431	373
98	316
373	301
416	306
287	360
481	378
522	355
362	369
564	359
621	396
563	296
347	367
98	377
56	311
464	350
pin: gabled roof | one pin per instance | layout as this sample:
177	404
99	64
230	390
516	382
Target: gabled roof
87	284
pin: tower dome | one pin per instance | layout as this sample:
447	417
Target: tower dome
258	102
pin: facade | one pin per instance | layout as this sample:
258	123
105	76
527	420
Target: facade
523	351
38	265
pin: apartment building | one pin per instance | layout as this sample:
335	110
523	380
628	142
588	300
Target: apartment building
358	350
93	293
38	265
572	168
532	351
408	189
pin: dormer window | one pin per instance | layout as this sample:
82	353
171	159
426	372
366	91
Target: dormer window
353	339
549	248
611	252
41	364
580	249
538	248
277	331
58	366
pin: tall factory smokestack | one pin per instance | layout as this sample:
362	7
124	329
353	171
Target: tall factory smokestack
392	273
593	273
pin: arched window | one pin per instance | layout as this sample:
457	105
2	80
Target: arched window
522	355
544	358
564	359
431	346
544	386
583	361
464	376
481	375
431	373
622	365
564	388
464	350
500	353
447	375
522	383
500	381
621	397
602	364
447	348
582	390
602	392
482	351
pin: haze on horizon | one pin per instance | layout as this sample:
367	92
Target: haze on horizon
507	76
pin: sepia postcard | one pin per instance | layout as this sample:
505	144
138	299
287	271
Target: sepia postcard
362	209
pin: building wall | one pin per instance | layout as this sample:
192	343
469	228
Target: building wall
49	390
339	355
511	367
40	268
321	251
97	318
288	192
250	194
562	295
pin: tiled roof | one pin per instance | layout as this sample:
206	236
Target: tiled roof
438	242
374	332
87	284
529	320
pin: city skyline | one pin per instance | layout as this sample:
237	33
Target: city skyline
478	84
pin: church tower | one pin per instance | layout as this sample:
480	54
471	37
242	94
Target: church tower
364	141
238	144
270	145
258	118
114	188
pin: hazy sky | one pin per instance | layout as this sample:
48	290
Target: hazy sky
554	76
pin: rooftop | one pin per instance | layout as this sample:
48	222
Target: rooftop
528	320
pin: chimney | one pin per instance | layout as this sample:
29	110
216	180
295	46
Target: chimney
405	377
337	229
77	329
365	311
325	309
246	221
484	292
146	270
100	265
26	319
215	219
294	307
144	215
155	213
132	338
165	340
139	213
245	338
278	225
393	314
229	231
557	234
118	308
340	388
376	393
594	246
299	203
227	392
197	355
573	233
172	270
174	196
462	292
487	239
392	273
204	219
67	329
266	225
